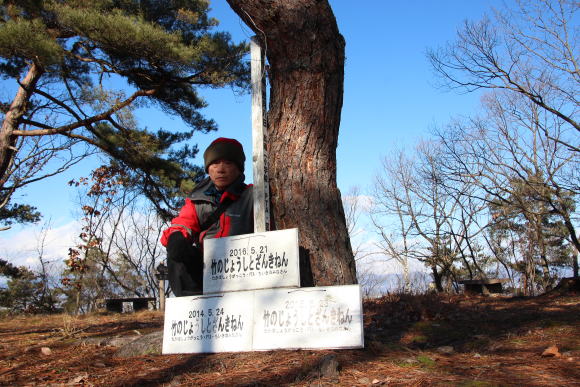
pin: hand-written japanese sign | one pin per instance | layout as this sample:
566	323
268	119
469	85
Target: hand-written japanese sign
320	317
307	315
207	324
252	261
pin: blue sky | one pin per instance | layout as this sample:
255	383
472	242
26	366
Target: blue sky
390	98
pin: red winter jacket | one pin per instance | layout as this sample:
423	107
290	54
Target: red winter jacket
237	219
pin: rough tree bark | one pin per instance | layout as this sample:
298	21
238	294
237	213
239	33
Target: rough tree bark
13	116
305	52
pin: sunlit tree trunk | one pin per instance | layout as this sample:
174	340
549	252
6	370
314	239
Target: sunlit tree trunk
305	52
13	116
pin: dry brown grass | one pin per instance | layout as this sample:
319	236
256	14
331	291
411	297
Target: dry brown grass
495	341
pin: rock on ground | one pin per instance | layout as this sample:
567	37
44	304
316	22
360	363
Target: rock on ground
149	344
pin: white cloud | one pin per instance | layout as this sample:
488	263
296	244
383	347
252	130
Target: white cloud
362	202
21	246
381	264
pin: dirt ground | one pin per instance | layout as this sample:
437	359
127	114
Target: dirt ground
425	340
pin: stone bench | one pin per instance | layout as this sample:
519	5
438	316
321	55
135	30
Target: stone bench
487	286
124	305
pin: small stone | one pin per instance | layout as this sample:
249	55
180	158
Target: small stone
122	341
79	378
176	381
551	351
477	355
376	381
376	346
45	351
446	350
329	366
149	344
100	365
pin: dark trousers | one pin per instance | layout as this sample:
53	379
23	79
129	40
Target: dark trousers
186	278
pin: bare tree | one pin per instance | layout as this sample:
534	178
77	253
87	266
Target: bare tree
44	272
531	50
119	247
388	190
136	243
515	166
522	157
524	153
370	282
353	210
37	158
355	205
412	194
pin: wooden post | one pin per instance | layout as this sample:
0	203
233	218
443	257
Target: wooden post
161	273
162	294
259	138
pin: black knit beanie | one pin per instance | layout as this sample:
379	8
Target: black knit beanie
227	149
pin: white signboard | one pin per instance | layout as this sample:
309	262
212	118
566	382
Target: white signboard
199	324
251	261
308	318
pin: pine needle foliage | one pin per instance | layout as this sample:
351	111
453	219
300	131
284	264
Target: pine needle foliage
93	62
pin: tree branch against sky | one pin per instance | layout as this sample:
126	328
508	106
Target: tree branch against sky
526	57
531	49
514	168
80	69
414	213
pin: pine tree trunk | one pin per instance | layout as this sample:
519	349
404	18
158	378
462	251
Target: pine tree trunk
437	279
305	52
11	119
